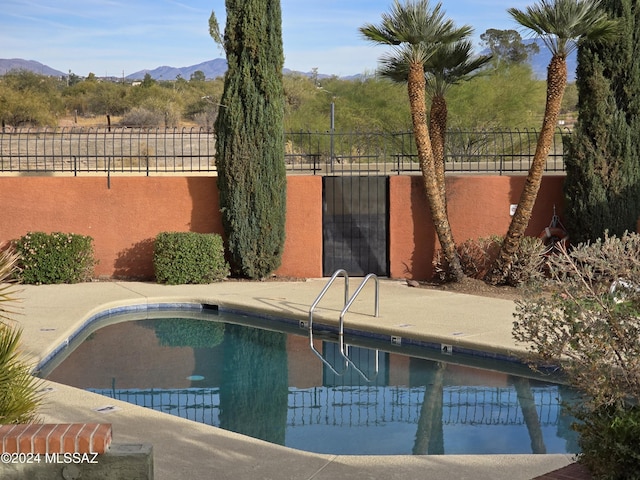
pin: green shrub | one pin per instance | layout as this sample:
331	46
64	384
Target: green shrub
477	256
610	441
188	257
55	258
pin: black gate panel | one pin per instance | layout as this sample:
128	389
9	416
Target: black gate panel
355	225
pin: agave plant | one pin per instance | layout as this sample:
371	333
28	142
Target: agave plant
19	396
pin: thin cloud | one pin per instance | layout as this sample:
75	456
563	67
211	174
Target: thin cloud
116	35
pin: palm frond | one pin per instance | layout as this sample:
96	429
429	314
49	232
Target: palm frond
561	24
451	64
412	27
19	396
8	291
447	65
19	390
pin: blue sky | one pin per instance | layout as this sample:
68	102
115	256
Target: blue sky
109	37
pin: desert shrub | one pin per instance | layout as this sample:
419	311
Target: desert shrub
528	262
178	332
189	257
57	257
19	397
573	320
477	256
205	119
142	117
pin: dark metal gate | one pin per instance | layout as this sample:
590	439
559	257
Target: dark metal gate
355	225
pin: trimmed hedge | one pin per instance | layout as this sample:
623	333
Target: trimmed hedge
57	257
189	257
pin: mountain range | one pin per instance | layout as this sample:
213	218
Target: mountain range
7	65
212	69
217	67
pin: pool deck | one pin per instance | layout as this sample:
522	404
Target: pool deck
184	449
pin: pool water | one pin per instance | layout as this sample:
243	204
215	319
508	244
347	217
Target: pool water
269	385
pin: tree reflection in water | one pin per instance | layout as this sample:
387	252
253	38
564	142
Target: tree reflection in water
254	387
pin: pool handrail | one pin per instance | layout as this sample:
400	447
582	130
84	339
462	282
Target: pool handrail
348	301
348	304
335	275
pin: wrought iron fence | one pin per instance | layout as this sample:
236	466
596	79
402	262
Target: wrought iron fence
156	151
466	151
127	150
356	406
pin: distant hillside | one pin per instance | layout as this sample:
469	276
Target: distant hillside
7	65
211	69
217	67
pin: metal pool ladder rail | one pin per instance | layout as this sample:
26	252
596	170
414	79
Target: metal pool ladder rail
348	301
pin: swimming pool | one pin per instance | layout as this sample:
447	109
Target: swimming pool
244	375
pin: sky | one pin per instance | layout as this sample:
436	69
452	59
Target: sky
116	37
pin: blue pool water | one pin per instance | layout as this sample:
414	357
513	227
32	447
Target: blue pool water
267	384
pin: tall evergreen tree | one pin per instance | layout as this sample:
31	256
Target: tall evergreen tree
603	164
249	137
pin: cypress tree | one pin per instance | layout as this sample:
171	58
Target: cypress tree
603	161
249	138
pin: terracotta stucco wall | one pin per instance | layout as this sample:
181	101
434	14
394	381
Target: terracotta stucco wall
125	218
478	207
302	255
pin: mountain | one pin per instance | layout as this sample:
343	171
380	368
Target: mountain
217	67
6	65
211	69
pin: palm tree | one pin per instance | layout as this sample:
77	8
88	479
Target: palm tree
561	24
450	64
415	32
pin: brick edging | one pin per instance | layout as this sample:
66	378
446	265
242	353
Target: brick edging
55	438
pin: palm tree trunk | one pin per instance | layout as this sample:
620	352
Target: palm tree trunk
429	439
416	89
530	414
556	84
438	131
